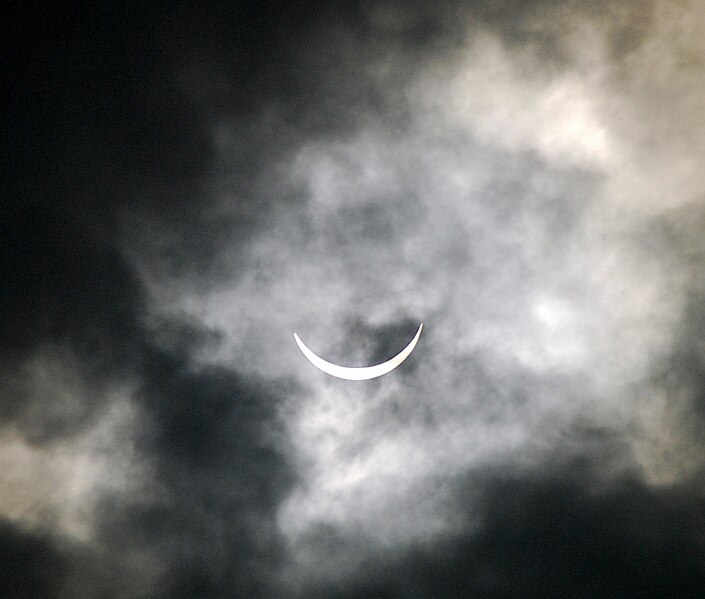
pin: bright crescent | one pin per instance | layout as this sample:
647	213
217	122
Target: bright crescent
363	373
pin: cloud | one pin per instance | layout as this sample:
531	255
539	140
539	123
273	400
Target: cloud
191	187
549	535
32	567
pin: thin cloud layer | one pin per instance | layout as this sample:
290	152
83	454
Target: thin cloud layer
191	187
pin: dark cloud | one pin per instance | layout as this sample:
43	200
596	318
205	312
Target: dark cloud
157	155
32	567
61	282
211	434
682	373
557	534
63	289
214	445
102	132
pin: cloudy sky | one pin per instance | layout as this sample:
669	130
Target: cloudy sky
187	187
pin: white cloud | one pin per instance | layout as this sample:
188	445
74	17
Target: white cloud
511	215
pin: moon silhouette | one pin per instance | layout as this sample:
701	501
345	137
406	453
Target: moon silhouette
360	373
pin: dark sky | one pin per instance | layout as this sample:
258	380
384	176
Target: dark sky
186	187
